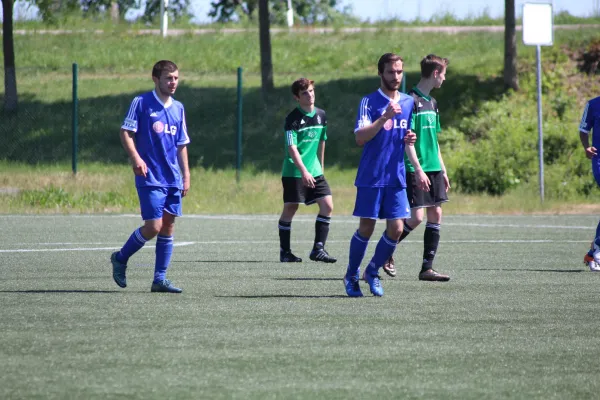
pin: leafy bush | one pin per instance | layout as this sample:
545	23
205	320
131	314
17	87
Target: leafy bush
495	150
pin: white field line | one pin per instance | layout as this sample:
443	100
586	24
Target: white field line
179	244
237	242
335	220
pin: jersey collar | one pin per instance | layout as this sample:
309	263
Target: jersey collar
386	96
310	114
167	104
417	91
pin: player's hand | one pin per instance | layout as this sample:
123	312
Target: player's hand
410	138
139	167
446	180
423	182
308	180
392	110
591	152
186	186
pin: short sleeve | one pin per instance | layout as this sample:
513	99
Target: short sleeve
291	132
587	120
132	118
363	118
324	123
183	137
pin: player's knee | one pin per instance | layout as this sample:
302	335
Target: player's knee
167	228
289	210
415	220
326	209
149	231
366	230
394	233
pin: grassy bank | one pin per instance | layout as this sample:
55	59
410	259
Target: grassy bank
114	67
99	188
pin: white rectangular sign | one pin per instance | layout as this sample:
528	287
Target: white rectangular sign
537	24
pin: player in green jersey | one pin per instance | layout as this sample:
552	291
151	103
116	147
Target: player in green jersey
302	174
426	124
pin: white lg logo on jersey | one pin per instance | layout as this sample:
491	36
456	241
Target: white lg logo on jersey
402	124
159	127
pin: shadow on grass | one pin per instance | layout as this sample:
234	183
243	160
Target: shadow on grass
58	291
307	279
220	261
41	133
528	270
285	296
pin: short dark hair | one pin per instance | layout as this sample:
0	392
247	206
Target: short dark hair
386	59
432	63
301	84
162	66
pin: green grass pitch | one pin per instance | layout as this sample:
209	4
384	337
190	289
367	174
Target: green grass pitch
519	319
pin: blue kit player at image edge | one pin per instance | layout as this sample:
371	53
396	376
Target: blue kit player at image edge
590	123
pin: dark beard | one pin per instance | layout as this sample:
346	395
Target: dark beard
388	86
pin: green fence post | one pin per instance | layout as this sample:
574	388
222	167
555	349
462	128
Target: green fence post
403	84
238	146
75	121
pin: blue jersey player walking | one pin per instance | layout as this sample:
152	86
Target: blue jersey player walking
154	135
590	122
382	126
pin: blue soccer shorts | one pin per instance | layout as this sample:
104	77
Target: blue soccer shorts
382	203
155	200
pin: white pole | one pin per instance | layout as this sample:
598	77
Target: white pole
540	131
164	17
290	14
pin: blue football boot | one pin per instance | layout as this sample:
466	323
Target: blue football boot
352	286
118	270
374	281
164	286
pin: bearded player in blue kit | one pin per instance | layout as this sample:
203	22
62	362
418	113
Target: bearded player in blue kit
154	135
382	127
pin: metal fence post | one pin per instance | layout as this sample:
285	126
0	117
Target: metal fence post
238	142
75	125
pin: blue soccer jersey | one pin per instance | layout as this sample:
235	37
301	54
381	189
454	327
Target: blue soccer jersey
159	128
590	122
382	160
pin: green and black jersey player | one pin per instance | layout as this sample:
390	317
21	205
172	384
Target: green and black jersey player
302	173
426	125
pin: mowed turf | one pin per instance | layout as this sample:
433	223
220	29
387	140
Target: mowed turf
519	319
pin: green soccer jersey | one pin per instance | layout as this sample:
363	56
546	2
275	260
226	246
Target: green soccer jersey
305	131
426	124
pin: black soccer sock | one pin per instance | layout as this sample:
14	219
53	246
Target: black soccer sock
431	240
321	230
285	232
407	229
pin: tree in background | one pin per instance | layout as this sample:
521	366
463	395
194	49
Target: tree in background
50	10
511	78
307	11
115	6
266	63
8	48
177	9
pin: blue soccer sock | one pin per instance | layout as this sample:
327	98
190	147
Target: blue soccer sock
164	251
135	242
384	250
358	248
